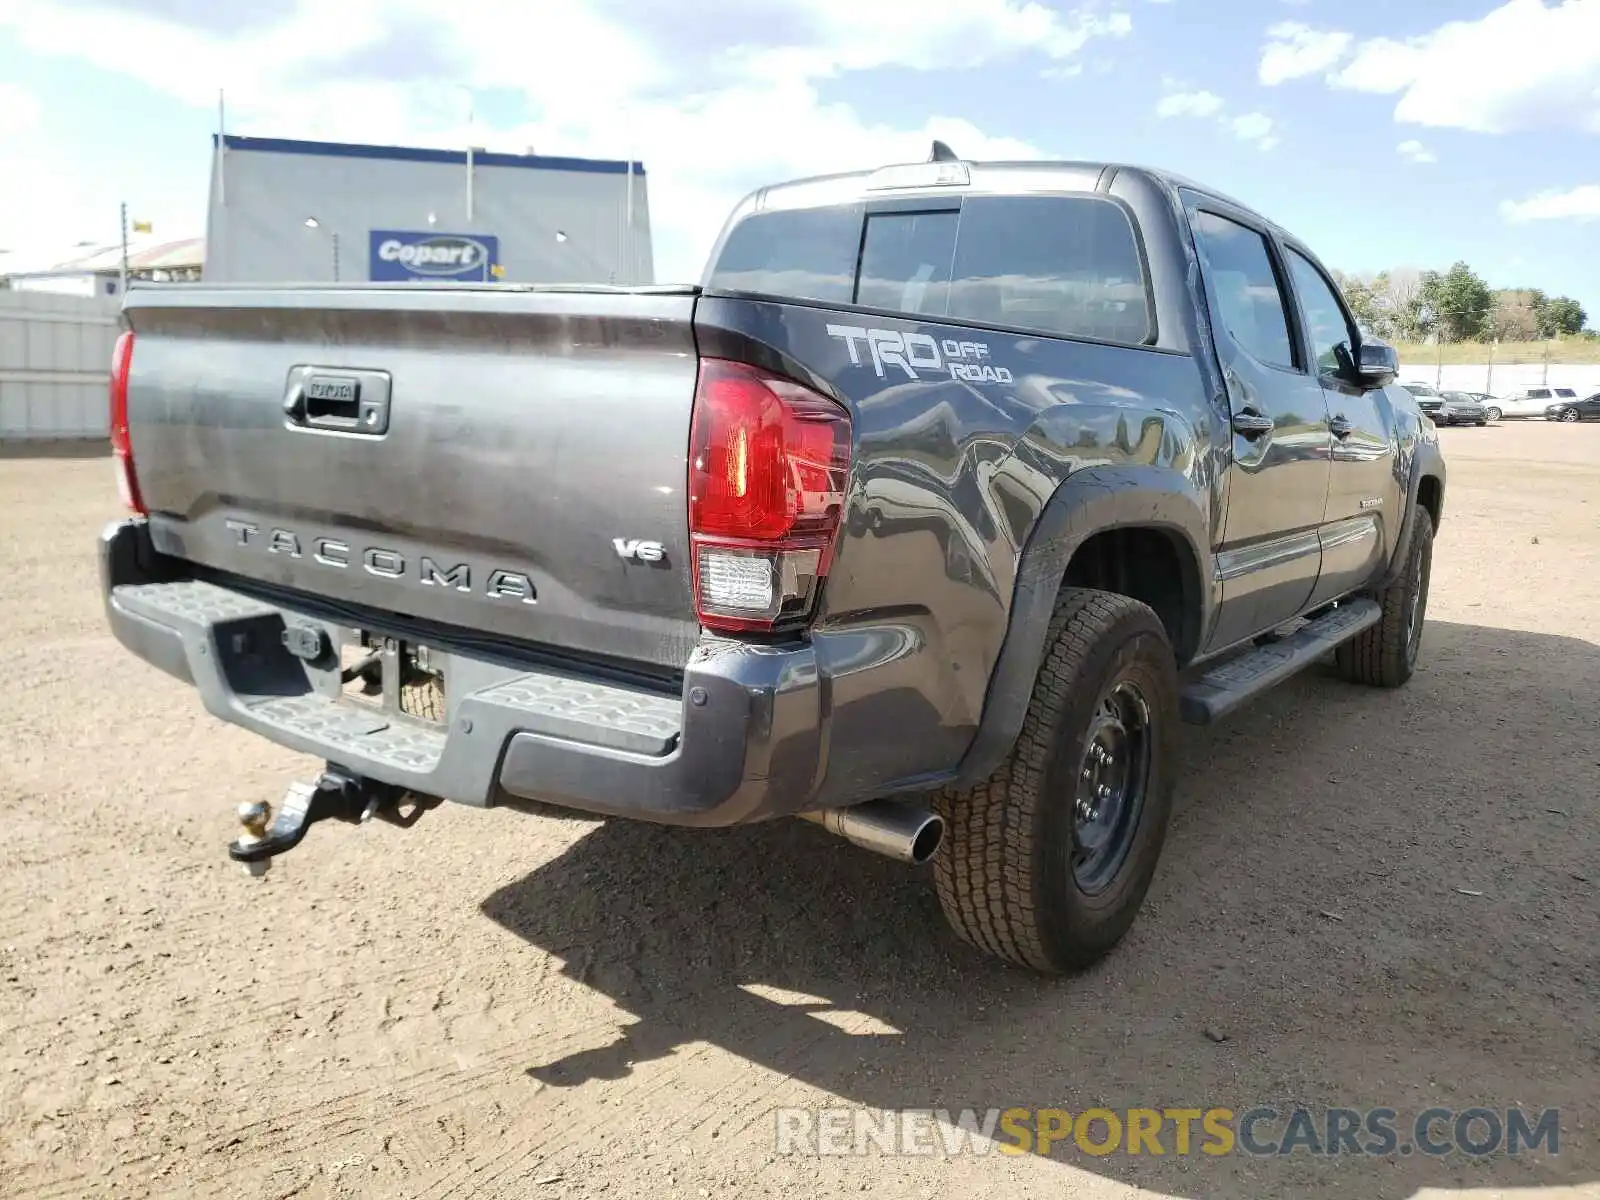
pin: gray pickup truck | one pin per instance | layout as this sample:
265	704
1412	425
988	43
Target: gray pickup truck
926	516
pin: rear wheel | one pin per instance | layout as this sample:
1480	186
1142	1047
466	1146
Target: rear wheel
1385	654
1047	863
1494	414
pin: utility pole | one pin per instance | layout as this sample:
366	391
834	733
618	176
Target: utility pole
629	276
470	134
222	150
122	288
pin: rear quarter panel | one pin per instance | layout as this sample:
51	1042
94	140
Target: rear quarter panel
950	477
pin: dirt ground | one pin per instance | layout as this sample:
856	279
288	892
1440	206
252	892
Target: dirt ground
1373	899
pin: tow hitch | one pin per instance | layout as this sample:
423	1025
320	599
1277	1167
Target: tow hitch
334	794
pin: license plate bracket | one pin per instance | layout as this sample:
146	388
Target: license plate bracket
394	676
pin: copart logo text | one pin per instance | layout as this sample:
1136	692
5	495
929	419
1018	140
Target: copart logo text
445	255
915	353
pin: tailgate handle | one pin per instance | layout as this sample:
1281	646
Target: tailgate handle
340	402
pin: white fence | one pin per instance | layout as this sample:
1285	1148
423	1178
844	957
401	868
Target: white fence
55	360
1503	378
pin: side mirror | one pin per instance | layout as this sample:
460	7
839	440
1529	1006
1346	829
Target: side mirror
1377	363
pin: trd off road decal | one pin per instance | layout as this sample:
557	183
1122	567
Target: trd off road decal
915	353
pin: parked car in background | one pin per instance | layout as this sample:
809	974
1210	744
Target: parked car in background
1429	399
1462	408
1491	404
1587	409
1532	402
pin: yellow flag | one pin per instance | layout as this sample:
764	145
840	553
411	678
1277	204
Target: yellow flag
142	227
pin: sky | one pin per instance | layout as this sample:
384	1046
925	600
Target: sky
1384	134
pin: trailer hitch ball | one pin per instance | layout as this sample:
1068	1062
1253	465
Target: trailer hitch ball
254	818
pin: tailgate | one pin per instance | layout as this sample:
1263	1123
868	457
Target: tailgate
502	460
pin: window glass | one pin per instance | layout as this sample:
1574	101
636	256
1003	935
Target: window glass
807	253
1062	264
1538	393
1566	393
1250	306
1065	265
905	262
1324	319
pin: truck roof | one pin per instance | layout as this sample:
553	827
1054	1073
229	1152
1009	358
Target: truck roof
1018	175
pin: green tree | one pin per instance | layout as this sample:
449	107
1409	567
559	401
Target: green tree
1363	301
1561	314
1457	305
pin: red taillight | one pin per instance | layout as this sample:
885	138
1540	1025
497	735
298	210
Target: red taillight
768	460
121	446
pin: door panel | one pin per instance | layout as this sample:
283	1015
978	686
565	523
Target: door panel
1271	552
1364	496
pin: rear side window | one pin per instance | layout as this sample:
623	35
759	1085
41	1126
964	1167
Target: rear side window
1538	393
1063	265
1249	304
807	253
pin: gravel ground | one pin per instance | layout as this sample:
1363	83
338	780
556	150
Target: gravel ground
1370	898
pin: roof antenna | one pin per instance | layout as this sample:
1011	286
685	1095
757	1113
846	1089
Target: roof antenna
942	153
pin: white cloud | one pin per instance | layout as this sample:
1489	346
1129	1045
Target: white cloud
606	80
1189	104
1415	151
1294	49
1522	66
1254	127
1580	204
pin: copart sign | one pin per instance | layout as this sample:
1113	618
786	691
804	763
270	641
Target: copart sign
890	350
403	254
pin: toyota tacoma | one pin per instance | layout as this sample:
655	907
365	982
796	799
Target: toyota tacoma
926	515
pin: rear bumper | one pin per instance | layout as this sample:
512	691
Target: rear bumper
741	742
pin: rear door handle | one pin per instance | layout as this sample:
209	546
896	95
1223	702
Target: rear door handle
1251	424
1340	428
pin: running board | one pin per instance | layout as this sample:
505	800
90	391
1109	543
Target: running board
1225	687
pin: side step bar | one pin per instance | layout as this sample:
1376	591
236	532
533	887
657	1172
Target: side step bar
1228	685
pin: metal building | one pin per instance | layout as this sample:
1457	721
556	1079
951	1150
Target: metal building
93	270
285	211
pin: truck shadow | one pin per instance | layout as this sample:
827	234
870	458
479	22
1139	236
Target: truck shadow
1368	899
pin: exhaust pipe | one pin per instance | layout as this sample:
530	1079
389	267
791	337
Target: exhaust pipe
887	827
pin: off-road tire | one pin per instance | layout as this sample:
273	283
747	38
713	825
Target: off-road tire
1385	654
1004	870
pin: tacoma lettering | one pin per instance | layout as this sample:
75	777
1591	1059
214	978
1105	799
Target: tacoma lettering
338	555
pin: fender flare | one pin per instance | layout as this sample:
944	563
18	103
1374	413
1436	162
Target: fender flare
1088	502
1427	461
